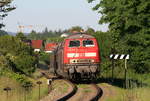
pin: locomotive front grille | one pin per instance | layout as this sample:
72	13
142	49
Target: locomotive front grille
81	60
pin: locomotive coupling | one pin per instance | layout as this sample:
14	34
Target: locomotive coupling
71	70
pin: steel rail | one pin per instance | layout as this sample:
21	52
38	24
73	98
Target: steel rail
69	95
98	94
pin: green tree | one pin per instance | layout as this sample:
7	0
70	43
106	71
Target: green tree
44	34
130	29
3	63
5	7
25	63
19	55
90	30
76	29
54	39
3	33
21	36
32	35
105	42
46	30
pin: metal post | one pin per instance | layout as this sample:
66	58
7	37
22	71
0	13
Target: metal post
7	89
39	83
112	70
26	87
125	73
25	95
49	82
39	92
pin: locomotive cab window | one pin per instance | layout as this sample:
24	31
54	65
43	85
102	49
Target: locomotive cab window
88	43
74	43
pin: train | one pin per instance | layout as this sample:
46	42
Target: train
77	57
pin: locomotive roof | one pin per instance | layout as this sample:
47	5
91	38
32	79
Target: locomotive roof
79	35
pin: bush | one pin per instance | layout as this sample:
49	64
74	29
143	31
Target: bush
44	57
19	56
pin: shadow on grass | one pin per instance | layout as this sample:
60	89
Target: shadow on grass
43	66
129	83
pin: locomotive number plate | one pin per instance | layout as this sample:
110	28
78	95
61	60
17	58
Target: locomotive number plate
84	60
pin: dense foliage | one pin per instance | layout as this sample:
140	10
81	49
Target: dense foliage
54	39
130	29
3	33
21	36
90	30
76	29
5	7
45	57
19	55
105	42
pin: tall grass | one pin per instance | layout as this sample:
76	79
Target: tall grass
121	94
18	93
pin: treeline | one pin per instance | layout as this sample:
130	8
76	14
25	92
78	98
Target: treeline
33	35
2	33
129	33
44	35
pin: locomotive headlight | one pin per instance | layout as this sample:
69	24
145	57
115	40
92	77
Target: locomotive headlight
92	60
82	60
73	61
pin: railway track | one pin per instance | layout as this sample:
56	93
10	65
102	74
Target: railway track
71	93
98	93
87	92
80	92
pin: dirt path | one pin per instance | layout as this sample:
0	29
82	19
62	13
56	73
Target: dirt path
60	88
108	91
84	93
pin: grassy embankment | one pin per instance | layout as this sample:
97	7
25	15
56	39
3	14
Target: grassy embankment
85	88
18	93
134	94
61	86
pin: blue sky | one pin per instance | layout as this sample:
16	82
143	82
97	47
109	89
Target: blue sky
54	14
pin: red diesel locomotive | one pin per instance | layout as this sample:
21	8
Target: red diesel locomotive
77	57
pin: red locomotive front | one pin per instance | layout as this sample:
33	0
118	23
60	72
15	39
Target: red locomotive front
81	56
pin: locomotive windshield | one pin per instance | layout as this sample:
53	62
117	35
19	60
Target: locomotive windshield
74	43
88	43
